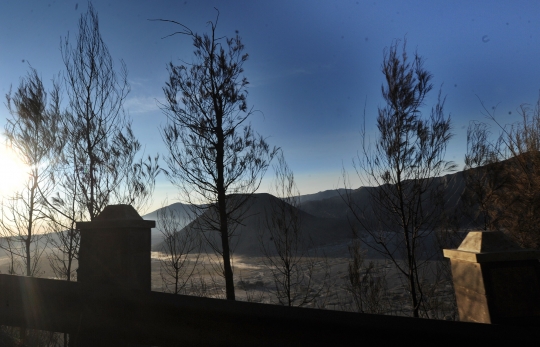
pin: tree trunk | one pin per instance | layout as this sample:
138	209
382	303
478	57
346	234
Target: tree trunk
222	208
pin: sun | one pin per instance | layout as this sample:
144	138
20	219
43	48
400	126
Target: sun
13	173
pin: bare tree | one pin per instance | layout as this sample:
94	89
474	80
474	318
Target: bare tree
508	189
215	158
520	204
63	213
101	149
402	166
484	177
32	134
288	252
366	283
181	249
98	164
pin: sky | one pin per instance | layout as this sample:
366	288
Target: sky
314	66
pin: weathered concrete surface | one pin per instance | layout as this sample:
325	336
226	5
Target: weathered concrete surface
495	280
490	246
487	242
468	275
161	319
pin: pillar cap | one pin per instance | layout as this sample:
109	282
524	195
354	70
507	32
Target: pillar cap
117	216
489	246
115	212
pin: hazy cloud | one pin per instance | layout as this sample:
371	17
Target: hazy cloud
143	104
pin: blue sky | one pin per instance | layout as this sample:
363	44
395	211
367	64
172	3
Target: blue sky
312	64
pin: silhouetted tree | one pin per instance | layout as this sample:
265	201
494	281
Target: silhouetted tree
365	282
31	133
215	158
402	164
63	212
505	182
180	251
484	177
99	164
100	151
288	252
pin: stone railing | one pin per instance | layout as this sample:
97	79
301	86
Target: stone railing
495	280
112	304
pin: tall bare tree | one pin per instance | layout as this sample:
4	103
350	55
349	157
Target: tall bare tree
402	164
215	158
101	150
32	134
98	165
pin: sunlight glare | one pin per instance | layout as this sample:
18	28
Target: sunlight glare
12	173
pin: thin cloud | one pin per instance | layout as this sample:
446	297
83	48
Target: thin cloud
143	104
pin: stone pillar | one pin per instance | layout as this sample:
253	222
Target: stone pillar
495	280
115	249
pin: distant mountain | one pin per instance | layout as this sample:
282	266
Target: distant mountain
184	210
337	207
321	230
325	216
180	211
323	195
178	208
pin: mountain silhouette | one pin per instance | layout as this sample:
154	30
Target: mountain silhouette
326	217
254	226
